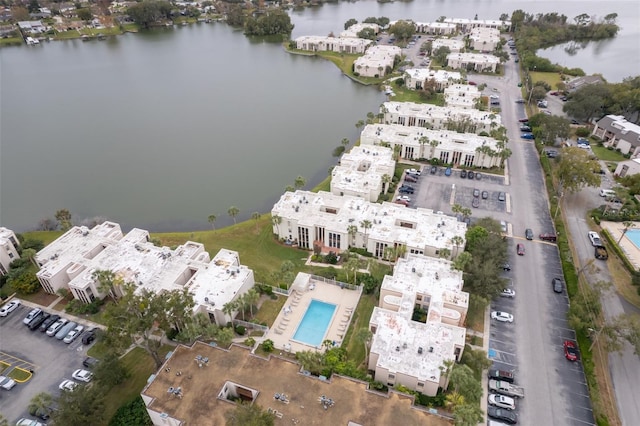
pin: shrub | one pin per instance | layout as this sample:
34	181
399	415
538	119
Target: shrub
133	413
241	330
249	341
582	132
331	258
267	345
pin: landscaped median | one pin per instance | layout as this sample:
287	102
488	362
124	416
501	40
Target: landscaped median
20	375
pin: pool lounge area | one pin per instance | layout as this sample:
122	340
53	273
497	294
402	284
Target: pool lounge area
630	243
316	310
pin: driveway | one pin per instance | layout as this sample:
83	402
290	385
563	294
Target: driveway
52	361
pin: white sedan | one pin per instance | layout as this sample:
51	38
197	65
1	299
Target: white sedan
6	383
502	316
9	307
404	198
82	375
507	292
73	334
68	385
502	401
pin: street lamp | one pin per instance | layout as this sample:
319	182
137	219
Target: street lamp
530	85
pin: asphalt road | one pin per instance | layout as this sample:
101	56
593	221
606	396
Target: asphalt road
624	366
556	392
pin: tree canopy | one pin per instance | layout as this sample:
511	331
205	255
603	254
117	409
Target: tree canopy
576	170
271	23
149	12
403	30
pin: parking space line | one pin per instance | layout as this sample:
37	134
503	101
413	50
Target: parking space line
502	352
582	421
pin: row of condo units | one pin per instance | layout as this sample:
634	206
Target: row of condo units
348	42
377	61
450	26
484	39
361	172
70	262
9	249
436	117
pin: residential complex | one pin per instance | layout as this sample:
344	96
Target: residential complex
201	385
413	353
451	43
463	96
484	39
435	28
334	223
361	172
616	131
70	261
417	78
9	246
466	25
332	44
450	147
436	117
477	62
628	168
354	29
377	61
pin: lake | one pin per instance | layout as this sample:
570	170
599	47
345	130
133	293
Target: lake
160	129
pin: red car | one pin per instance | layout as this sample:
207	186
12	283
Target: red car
520	249
570	350
471	83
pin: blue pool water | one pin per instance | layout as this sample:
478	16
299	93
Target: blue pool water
634	236
315	322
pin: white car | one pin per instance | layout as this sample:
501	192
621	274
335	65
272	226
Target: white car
9	307
507	292
73	334
29	422
502	316
502	401
68	385
594	238
404	198
414	172
6	383
56	326
31	315
82	375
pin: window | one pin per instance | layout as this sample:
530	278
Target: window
420	384
392	376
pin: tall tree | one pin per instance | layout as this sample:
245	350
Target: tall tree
233	212
41	403
212	220
63	216
84	406
364	336
465	383
576	170
299	183
366	225
111	371
106	281
276	221
467	415
255	216
252	297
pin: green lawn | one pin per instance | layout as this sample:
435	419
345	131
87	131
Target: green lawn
9	41
607	154
361	316
269	310
551	78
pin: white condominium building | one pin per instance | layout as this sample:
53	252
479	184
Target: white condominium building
9	246
484	39
435	28
436	117
461	96
332	44
450	147
361	172
354	29
335	223
477	62
417	78
466	25
377	61
453	44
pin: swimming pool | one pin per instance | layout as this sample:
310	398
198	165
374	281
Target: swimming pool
634	236
314	323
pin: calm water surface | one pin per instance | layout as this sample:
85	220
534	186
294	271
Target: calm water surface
159	130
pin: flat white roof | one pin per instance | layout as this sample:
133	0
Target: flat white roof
432	113
476	58
440	76
322	40
377	56
621	123
413	348
397	134
336	213
354	29
451	43
363	168
481	22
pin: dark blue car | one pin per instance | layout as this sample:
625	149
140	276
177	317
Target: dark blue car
527	136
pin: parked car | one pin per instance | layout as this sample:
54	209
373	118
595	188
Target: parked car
501	316
519	101
476	192
403	202
507	292
594	238
433	170
557	285
525	128
475	203
524	120
472	83
62	333
552	153
550	236
503	415
9	307
82	375
47	323
463	174
478	176
67	385
502	401
405	190
506	267
73	334
56	326
410	178
29	422
528	136
413	172
90	362
31	315
501	196
7	383
502	375
528	234
520	249
404	198
503	224
38	321
570	350
447	171
470	175
485	195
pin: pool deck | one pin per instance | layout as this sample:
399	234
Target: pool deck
630	250
287	321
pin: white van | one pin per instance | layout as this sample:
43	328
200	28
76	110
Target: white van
607	192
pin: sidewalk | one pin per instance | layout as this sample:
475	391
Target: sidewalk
485	348
81	321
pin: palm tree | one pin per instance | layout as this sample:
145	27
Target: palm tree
212	220
233	212
352	230
256	216
276	221
445	253
106	280
229	307
300	182
366	225
289	188
359	124
627	224
453	400
364	335
252	297
423	140
345	142
434	144
386	180
457	241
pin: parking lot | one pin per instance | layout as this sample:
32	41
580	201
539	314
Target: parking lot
440	192
51	360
